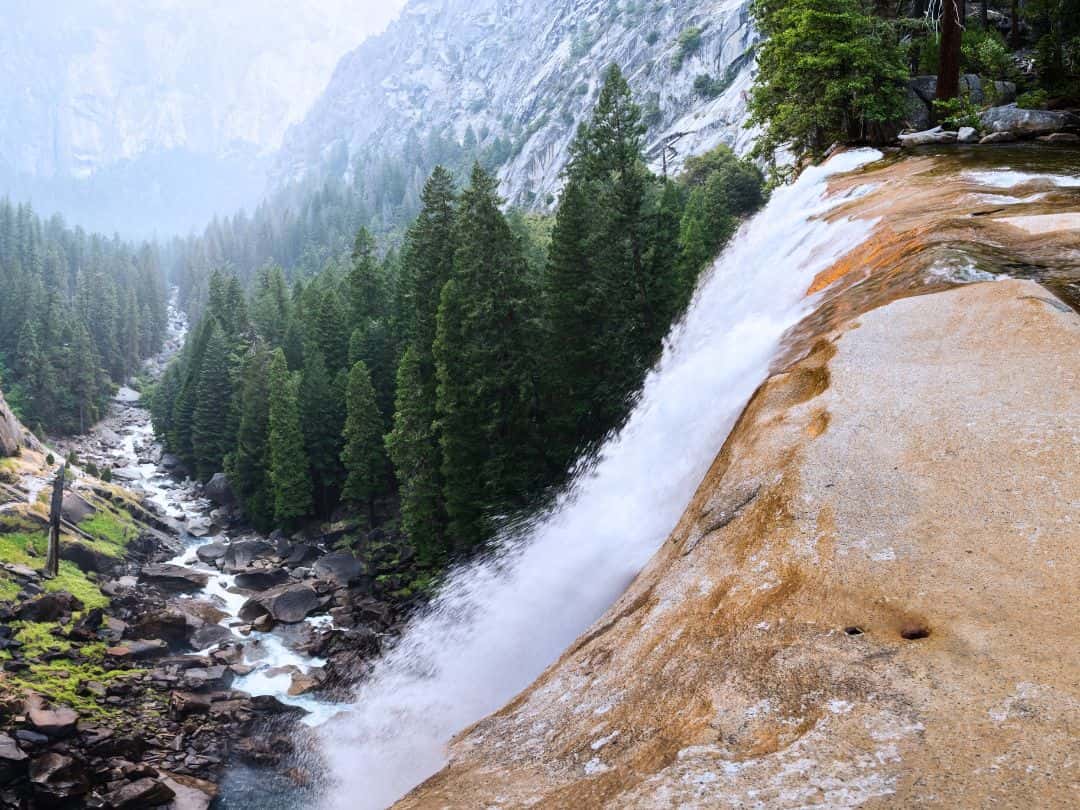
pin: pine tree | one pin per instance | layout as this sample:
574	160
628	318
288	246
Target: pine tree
417	457
414	442
290	481
364	455
487	393
248	464
321	418
211	437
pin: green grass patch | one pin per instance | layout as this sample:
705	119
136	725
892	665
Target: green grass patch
13	549
63	681
8	588
75	581
14	545
112	531
37	638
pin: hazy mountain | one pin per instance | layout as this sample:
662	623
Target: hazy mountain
154	115
524	72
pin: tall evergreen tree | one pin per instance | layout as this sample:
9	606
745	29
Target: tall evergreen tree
321	418
493	454
248	464
417	457
211	437
290	481
364	455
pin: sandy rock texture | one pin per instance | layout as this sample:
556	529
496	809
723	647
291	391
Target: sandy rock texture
871	601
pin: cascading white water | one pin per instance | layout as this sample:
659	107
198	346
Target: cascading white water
496	625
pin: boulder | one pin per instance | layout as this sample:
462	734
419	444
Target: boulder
260	579
57	778
175	577
1018	121
10	431
13	760
189	792
287	604
340	567
928	137
49	607
137	648
211	552
57	722
145	792
301	554
1060	137
967	135
75	508
200	611
219	491
87	558
243	553
998	137
210	635
170	624
171	462
199	526
918	111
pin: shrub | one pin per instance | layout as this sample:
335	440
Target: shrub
957	112
1033	100
828	72
689	43
50	459
652	37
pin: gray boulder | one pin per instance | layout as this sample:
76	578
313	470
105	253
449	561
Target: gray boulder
287	604
339	567
175	577
219	491
261	579
1025	122
967	135
998	137
210	635
75	509
211	552
927	138
10	431
243	553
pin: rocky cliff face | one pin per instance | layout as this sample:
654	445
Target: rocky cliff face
527	72
855	609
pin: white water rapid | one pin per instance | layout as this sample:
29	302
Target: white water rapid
498	624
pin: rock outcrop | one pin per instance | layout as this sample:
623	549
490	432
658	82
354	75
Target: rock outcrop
871	600
10	430
519	75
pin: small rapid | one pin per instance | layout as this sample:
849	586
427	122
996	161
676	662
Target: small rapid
126	439
497	624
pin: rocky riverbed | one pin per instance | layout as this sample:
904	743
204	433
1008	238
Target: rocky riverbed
189	646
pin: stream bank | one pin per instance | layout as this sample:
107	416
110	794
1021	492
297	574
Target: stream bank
200	653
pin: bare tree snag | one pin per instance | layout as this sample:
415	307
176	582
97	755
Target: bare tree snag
56	508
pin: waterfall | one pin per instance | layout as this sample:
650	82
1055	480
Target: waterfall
497	624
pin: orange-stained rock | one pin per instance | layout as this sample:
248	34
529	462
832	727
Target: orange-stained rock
872	600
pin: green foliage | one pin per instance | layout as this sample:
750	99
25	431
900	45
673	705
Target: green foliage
247	464
414	449
289	477
1033	100
1056	27
957	112
364	456
828	72
78	313
688	43
983	53
212	426
487	397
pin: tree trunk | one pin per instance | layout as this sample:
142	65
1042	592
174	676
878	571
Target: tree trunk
948	78
985	17
1014	32
52	559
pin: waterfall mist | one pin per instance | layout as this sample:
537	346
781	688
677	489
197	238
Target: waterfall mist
498	623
